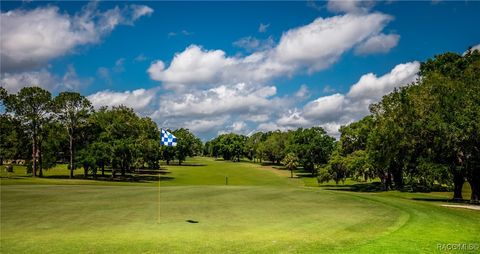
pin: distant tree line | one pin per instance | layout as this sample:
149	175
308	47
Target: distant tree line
66	128
420	135
308	148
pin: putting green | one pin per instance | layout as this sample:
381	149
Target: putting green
273	215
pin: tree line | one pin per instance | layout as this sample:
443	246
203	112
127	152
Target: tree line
66	128
419	137
309	147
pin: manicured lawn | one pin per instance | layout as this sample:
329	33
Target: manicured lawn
260	211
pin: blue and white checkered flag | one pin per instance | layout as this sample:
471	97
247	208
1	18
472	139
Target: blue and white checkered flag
167	139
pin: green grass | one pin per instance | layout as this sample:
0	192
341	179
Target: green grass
260	211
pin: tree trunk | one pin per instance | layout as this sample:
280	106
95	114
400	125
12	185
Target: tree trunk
398	179
458	181
291	173
85	170
388	181
103	169
40	171
34	156
474	186
71	155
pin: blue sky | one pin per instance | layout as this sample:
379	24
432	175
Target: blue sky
218	67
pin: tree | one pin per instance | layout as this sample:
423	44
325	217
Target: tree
13	143
33	107
335	169
273	147
187	144
252	145
291	162
312	146
72	110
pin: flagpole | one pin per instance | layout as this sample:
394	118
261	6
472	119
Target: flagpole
159	179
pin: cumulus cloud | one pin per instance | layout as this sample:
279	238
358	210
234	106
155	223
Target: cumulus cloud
30	38
13	82
137	99
299	49
325	109
371	86
225	108
338	109
238	99
194	65
381	43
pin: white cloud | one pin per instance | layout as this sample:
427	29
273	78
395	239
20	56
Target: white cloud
373	87
325	109
293	119
204	125
338	109
43	78
237	99
328	89
30	38
270	126
194	65
350	6
13	82
302	92
138	99
381	43
224	108
300	49
251	44
140	10
262	28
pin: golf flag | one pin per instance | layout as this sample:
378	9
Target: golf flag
167	139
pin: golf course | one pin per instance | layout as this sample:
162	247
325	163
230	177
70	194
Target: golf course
261	210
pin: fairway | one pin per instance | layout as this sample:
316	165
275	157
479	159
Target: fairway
259	211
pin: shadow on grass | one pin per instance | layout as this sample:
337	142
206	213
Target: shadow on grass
139	176
184	165
360	187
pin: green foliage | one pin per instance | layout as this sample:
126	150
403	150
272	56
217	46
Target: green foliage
312	146
187	144
428	132
72	111
32	106
273	148
230	146
290	162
